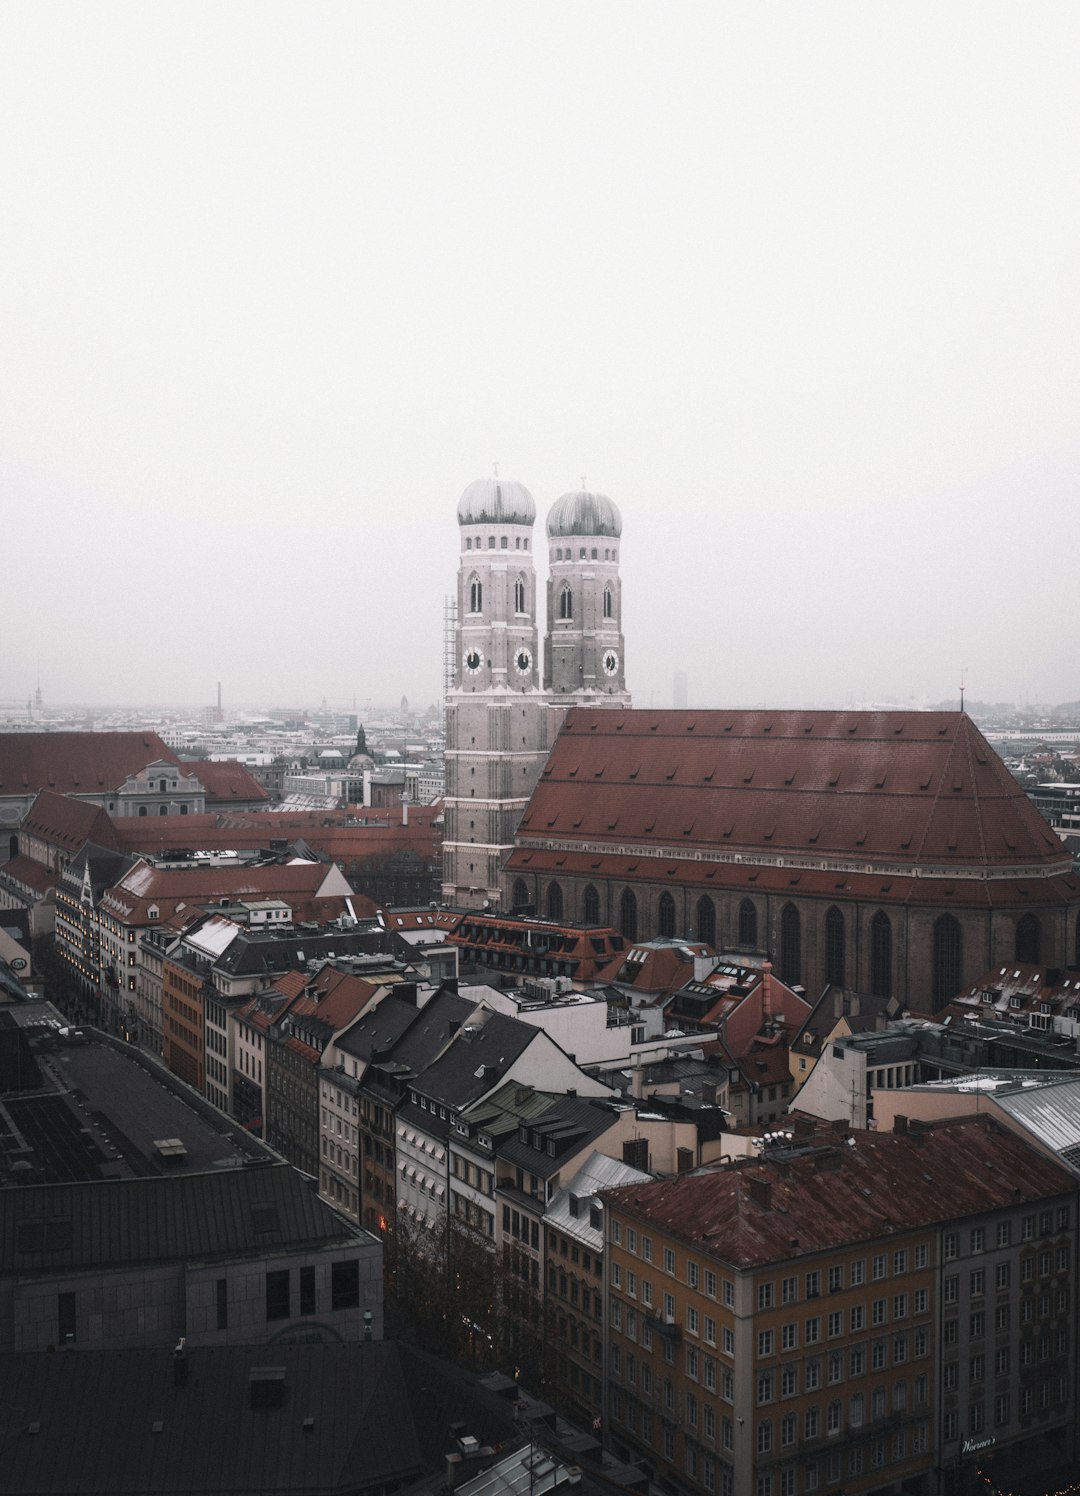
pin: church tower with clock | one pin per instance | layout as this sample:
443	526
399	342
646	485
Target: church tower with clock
583	657
496	715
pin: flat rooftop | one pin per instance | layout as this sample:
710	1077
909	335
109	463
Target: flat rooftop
94	1108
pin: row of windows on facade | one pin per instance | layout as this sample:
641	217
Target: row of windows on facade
502	544
566	600
585	553
947	936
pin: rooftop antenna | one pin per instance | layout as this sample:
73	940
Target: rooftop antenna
963	669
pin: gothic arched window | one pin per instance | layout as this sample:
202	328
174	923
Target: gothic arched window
520	899
790	945
519	596
948	959
834	947
590	906
666	916
706	920
1028	940
476	595
747	925
628	914
566	604
554	901
609	603
881	955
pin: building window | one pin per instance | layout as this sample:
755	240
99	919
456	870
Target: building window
881	955
628	914
519	899
790	945
706	920
1028	940
590	906
277	1295
566	604
948	959
554	901
747	924
221	1288
666	915
307	1290
609	603
476	596
65	1318
345	1285
834	947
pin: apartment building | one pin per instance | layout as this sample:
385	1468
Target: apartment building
849	1316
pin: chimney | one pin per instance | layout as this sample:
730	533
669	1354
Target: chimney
761	1192
900	1123
766	990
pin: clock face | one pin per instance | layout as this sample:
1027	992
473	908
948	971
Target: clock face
611	662
523	661
473	660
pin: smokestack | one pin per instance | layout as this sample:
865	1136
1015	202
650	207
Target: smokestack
219	696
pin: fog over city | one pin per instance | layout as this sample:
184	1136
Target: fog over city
795	285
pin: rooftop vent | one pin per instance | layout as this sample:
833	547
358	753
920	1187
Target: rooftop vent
266	1386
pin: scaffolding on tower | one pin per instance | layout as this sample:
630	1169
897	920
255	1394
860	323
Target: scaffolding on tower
449	645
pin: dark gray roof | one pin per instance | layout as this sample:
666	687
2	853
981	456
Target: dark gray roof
569	1124
381	1416
484	1048
430	1030
106	867
110	1223
254	952
378	1028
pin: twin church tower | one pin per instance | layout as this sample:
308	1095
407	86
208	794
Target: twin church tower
500	719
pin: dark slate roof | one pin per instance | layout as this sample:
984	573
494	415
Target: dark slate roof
484	1048
381	1416
254	952
108	1223
570	1122
379	1028
430	1030
106	867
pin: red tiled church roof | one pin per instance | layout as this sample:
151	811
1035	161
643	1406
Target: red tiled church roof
907	789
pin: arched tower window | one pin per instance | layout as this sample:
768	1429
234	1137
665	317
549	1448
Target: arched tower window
666	916
609	603
520	899
590	906
519	596
1028	940
747	925
790	945
834	947
476	596
881	955
554	901
706	920
948	959
566	604
628	914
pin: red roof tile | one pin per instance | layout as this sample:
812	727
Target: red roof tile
902	788
886	1182
226	782
76	763
69	824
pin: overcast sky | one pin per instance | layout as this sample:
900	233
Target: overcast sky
797	285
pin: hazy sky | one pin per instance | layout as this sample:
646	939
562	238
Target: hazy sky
797	285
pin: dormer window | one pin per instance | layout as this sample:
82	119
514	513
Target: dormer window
153	912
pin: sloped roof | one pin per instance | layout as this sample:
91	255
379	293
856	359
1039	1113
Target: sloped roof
885	1182
67	823
76	763
382	1413
165	1218
333	834
297	882
225	781
904	788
